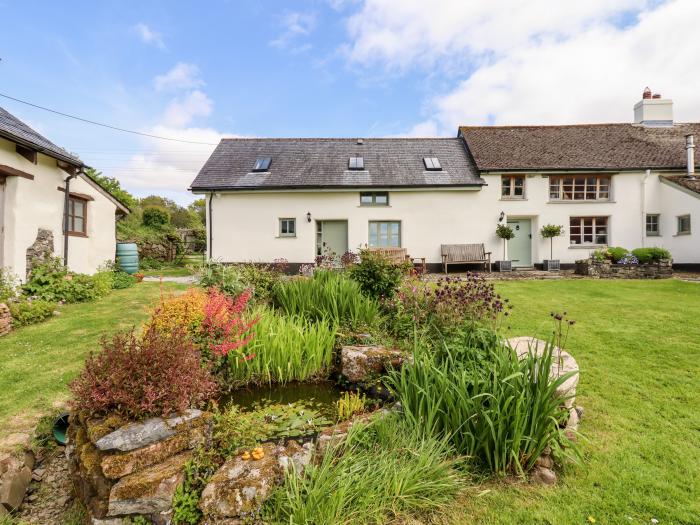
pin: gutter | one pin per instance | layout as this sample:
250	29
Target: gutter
647	174
210	226
66	202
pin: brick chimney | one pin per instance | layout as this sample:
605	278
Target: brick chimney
653	111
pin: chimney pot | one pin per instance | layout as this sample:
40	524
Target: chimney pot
690	155
360	141
646	93
656	95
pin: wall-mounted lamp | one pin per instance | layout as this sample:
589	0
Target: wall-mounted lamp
308	216
501	217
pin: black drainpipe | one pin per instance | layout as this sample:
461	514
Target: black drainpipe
211	247
65	219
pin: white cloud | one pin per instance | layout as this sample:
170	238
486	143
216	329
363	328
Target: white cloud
181	76
149	36
295	26
182	110
536	61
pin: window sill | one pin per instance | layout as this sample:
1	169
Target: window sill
551	201
285	236
653	234
587	246
374	206
681	234
511	199
77	234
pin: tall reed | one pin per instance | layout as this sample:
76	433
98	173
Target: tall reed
285	348
381	472
328	296
490	404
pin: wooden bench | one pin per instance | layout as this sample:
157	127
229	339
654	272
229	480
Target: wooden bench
465	254
398	256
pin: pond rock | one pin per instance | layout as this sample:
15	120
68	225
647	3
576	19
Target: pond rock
364	362
562	363
148	491
140	434
120	464
241	486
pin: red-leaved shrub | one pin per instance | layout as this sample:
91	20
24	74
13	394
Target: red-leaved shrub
157	374
224	327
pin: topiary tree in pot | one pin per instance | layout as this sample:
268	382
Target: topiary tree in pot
506	233
550	231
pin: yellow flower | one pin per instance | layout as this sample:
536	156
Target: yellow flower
591	519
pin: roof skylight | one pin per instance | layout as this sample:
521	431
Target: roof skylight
432	163
356	163
262	164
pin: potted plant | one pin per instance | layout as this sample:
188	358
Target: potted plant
549	231
139	276
506	233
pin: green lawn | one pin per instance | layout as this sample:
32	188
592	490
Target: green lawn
638	346
37	362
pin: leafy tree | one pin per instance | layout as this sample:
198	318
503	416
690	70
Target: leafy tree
199	207
113	186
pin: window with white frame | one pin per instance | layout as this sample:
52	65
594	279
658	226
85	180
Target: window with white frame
288	227
374	198
579	187
652	222
683	224
588	230
513	186
385	234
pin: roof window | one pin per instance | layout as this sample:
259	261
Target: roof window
262	164
356	163
432	163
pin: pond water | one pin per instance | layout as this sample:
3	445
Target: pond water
321	396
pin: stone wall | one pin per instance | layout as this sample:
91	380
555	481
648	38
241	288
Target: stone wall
608	270
134	468
5	320
41	250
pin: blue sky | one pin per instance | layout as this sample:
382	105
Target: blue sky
203	70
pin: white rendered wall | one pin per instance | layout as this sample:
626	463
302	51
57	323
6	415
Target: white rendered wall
673	202
33	204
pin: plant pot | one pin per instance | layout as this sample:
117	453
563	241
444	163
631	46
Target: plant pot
139	277
504	266
551	265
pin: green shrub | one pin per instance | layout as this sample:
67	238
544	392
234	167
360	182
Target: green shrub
262	278
382	473
121	280
648	255
150	263
491	405
154	217
616	253
25	311
377	276
327	296
51	281
285	348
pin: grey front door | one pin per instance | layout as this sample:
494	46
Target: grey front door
331	238
520	246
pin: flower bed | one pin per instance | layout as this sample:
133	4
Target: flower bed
610	270
159	427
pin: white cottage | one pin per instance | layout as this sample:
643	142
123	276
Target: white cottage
37	214
627	185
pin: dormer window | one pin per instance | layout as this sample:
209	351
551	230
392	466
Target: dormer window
432	163
262	164
356	163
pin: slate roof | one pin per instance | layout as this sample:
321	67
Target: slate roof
323	163
689	184
14	129
586	147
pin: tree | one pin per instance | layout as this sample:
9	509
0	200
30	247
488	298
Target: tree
506	233
549	231
199	207
113	186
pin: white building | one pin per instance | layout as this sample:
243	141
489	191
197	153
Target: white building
34	175
607	184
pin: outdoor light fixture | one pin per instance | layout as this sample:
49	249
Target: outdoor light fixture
501	216
308	216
